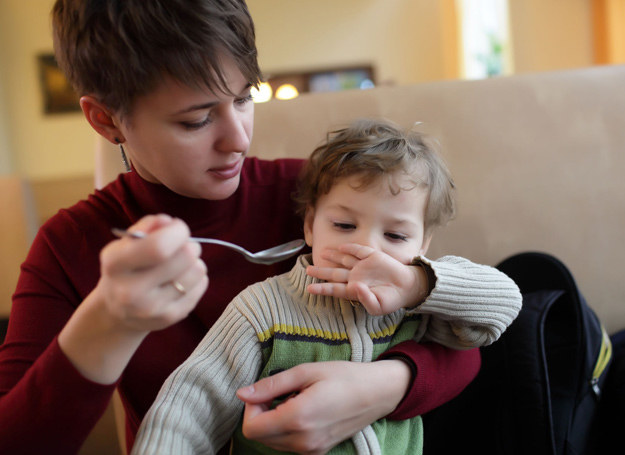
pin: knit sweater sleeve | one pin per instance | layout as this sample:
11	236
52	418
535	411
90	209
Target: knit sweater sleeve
471	304
196	410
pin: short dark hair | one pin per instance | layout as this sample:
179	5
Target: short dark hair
373	149
118	50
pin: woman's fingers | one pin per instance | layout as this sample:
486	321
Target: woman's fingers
155	281
267	389
164	236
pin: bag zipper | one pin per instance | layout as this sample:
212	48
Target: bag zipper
605	354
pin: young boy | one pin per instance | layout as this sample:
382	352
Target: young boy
381	191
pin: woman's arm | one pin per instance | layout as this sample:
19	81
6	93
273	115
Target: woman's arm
440	374
51	405
50	398
134	296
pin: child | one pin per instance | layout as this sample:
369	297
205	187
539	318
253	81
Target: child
382	191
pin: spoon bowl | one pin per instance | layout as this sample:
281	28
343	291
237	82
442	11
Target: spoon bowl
268	256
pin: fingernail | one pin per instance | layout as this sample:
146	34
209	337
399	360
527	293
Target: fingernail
247	390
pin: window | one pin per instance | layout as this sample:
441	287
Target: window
485	38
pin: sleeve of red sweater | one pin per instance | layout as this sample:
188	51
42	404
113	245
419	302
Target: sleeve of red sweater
52	408
441	373
46	405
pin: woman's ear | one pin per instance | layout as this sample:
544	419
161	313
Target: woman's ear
309	218
100	119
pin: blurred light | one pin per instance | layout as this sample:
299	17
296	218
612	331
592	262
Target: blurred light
286	92
366	84
262	94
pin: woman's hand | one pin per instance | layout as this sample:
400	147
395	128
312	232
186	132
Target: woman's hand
379	282
332	402
153	282
145	284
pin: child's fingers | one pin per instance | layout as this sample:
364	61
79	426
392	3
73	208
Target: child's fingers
366	297
347	255
340	258
333	274
337	290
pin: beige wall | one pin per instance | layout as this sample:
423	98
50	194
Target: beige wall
42	146
402	38
399	37
551	34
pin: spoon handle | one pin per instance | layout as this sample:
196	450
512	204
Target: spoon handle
219	242
139	235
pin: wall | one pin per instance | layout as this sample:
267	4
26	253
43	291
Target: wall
403	38
6	162
399	37
551	34
42	145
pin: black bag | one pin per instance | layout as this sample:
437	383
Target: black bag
608	427
539	386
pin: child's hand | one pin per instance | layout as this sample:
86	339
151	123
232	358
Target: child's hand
379	282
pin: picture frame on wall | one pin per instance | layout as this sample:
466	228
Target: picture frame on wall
325	80
58	94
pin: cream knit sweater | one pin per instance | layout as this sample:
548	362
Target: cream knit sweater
276	324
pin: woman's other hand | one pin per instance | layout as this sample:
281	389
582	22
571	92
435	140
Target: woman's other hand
145	284
332	402
379	282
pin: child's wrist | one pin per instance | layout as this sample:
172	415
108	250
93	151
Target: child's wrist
425	280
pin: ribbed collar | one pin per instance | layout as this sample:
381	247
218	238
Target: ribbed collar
298	282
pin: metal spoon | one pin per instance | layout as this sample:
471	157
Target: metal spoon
269	256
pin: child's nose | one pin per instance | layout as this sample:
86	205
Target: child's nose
368	238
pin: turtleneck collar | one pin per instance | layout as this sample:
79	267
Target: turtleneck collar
154	197
298	282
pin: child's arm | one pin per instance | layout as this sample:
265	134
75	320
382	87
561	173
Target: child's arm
471	304
196	410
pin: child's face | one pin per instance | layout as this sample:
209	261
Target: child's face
370	216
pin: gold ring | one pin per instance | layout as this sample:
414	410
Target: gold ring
179	287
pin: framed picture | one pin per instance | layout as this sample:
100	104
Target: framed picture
58	94
325	80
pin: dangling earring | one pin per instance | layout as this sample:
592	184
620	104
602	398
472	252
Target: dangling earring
124	159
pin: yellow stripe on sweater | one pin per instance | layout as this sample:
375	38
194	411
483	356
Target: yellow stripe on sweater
318	333
301	331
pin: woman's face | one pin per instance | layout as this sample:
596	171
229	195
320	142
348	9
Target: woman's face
192	140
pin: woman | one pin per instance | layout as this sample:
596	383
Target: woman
170	80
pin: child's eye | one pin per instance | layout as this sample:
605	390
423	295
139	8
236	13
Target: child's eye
344	226
396	237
